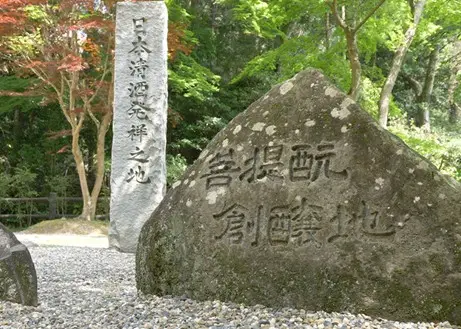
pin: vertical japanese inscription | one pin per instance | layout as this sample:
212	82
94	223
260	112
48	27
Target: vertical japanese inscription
138	168
138	111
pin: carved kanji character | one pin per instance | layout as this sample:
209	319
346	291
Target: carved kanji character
373	222
138	68
279	226
137	131
138	156
308	164
267	166
343	224
301	163
138	91
221	167
139	24
239	225
305	223
139	175
140	46
139	111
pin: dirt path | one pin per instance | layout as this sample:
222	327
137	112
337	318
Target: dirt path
91	241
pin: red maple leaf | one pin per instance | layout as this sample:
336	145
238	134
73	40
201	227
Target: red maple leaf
72	63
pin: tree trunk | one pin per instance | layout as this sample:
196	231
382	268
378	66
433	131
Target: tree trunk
423	116
356	67
453	83
455	113
17	133
100	156
327	31
80	165
18	127
213	24
397	62
351	30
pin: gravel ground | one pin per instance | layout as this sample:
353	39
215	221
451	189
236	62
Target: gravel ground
95	288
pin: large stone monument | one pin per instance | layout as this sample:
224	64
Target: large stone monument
304	201
18	279
138	173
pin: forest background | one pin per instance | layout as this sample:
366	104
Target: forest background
400	59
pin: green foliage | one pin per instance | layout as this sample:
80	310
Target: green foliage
295	55
442	149
5	183
260	18
190	79
60	185
269	19
22	183
386	28
10	83
369	98
177	13
197	135
442	20
176	166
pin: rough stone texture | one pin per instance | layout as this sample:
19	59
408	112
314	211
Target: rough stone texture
138	173
304	201
18	280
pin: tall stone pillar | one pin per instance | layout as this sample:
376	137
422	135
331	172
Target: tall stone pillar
138	174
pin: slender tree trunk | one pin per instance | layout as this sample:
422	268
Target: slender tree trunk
80	165
455	113
214	24
351	30
356	67
100	156
327	31
17	132
453	83
18	127
397	62
423	116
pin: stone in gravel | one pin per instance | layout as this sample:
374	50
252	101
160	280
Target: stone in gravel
304	201
18	279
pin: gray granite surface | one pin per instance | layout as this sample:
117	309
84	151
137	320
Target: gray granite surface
138	171
304	201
